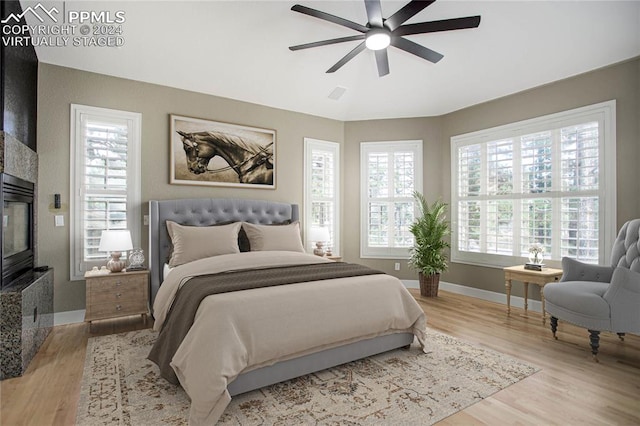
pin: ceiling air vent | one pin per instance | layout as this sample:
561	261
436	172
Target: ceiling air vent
337	93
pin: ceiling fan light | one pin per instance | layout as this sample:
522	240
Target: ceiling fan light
377	39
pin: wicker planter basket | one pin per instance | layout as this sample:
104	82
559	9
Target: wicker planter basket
429	284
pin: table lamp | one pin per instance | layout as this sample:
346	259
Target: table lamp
115	241
319	235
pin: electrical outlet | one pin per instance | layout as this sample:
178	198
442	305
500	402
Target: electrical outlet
145	220
397	266
59	220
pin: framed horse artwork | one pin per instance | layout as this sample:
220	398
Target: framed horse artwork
205	152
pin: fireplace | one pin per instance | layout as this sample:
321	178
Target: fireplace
17	228
26	296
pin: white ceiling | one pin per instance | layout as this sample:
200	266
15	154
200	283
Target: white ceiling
239	50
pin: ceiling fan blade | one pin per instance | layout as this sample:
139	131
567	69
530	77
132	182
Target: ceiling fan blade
382	60
374	12
328	17
416	49
327	42
435	26
349	56
407	12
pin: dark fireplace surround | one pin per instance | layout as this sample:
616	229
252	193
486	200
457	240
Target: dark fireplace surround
26	296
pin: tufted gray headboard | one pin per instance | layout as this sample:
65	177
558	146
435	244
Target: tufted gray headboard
205	212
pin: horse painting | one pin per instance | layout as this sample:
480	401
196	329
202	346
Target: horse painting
252	162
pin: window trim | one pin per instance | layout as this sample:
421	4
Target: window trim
309	145
367	252
134	192
605	114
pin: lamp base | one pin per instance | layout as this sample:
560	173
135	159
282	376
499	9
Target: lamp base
115	264
319	250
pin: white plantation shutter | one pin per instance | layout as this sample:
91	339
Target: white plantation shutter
582	178
544	181
322	193
390	172
105	181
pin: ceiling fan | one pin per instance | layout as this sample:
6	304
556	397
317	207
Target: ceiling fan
379	32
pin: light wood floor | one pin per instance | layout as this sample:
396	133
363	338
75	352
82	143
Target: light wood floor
570	389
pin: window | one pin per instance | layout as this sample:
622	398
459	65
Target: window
322	193
390	173
105	181
547	181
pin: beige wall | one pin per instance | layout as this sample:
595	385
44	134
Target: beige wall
58	87
426	129
620	82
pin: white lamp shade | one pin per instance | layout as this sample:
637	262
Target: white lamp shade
319	233
115	240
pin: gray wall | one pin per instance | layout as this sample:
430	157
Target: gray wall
58	87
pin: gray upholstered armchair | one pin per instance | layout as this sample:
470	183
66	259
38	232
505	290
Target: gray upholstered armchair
600	298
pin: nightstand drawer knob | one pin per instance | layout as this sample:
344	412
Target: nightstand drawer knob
118	294
118	307
118	283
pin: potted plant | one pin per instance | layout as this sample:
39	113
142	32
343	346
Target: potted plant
427	256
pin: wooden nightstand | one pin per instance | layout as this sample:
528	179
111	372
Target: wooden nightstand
117	295
335	258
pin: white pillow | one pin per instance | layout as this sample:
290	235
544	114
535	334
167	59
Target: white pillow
272	237
197	242
166	271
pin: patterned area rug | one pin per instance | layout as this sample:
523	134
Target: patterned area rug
121	387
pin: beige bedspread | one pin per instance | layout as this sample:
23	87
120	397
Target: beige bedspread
241	331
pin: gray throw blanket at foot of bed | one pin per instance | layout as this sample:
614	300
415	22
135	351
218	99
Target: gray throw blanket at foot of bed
183	311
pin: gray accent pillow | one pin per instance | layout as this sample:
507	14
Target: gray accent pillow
270	238
197	242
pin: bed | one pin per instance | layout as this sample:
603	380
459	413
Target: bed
245	340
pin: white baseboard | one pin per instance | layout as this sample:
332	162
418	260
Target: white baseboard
68	317
73	317
491	296
411	283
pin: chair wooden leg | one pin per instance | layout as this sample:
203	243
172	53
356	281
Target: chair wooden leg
594	338
621	336
554	326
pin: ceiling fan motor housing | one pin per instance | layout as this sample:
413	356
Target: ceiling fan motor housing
378	38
